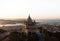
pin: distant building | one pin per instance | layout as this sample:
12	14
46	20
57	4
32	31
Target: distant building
30	22
31	25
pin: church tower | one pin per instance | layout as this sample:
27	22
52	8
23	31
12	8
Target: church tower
30	22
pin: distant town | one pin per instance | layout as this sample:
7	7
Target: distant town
35	31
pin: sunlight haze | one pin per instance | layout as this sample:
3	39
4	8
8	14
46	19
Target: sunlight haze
38	9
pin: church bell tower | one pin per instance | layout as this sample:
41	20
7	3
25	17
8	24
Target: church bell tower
30	22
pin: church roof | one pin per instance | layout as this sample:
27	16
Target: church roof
29	19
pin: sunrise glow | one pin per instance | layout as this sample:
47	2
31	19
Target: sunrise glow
38	9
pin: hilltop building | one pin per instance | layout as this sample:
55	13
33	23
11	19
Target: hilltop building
30	22
31	25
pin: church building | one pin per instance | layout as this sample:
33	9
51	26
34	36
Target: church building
31	25
30	22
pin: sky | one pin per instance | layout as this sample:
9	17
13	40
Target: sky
38	9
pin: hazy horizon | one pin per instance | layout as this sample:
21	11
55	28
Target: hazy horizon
38	9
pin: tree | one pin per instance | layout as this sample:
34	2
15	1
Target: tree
32	36
2	31
16	36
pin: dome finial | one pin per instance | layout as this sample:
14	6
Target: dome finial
29	14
